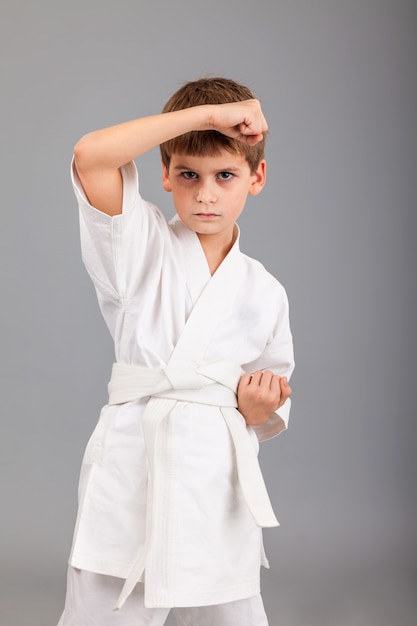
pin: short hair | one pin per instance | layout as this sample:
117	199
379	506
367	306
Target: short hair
209	142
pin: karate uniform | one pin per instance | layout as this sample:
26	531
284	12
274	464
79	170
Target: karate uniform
166	497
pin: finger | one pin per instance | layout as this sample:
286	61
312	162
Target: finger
254	122
250	127
246	137
256	378
285	390
276	384
285	386
245	380
251	140
266	379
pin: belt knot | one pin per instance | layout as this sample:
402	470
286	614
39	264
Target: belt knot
185	378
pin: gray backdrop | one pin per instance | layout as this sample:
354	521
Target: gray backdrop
335	224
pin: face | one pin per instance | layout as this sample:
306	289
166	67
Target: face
209	192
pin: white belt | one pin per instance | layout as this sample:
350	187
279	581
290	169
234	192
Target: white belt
214	384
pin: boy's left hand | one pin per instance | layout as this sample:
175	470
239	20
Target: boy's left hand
260	394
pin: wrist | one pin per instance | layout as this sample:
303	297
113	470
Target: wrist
205	117
254	418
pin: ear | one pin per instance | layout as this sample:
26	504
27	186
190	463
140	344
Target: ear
166	183
258	179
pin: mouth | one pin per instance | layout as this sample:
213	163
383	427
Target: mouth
206	216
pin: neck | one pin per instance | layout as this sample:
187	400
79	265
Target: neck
216	248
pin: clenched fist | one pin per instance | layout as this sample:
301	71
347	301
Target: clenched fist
260	394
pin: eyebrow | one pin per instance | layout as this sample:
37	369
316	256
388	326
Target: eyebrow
220	169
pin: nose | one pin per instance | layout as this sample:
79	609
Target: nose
206	194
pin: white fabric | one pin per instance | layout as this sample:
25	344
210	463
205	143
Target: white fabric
162	306
216	385
90	598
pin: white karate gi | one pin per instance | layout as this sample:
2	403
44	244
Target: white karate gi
167	500
91	597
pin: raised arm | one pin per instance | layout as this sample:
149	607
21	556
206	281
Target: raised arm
100	154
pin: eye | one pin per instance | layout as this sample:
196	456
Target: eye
189	175
225	175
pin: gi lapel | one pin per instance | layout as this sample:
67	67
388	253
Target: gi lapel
212	296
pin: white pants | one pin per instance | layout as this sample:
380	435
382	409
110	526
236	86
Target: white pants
91	597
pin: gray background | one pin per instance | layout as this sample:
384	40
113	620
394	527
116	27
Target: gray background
335	223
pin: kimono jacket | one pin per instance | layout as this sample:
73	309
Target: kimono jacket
170	490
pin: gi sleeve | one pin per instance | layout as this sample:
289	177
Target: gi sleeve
119	252
278	357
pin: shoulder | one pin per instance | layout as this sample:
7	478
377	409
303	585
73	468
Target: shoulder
262	281
134	206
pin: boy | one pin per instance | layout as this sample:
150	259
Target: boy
171	497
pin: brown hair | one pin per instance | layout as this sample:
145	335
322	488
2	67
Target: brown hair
209	142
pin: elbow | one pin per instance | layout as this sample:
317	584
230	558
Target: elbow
85	153
81	153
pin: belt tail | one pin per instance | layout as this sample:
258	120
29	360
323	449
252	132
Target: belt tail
249	472
131	582
156	410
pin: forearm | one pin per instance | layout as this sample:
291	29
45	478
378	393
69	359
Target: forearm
100	154
112	147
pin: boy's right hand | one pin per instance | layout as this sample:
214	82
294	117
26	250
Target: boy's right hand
244	120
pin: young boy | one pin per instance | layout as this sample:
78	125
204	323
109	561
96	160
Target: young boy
171	498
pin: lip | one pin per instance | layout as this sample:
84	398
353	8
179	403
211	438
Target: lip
206	216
